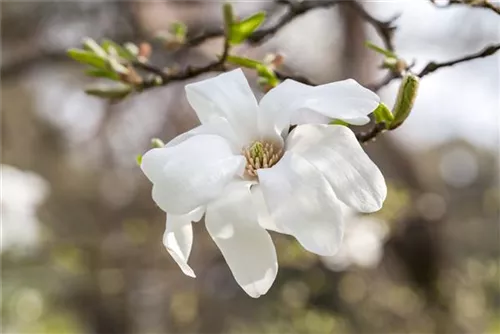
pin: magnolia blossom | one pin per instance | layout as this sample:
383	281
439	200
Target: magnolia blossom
247	173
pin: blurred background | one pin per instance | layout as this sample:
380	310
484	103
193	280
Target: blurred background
81	238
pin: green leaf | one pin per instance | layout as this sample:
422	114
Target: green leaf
108	45
405	99
88	58
132	49
380	50
383	115
98	73
241	30
179	29
117	91
227	13
91	45
339	122
138	159
245	62
157	143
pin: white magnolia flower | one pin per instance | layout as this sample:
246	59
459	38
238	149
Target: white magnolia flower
247	174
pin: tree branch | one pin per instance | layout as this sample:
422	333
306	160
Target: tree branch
485	4
434	66
366	136
385	29
294	10
188	73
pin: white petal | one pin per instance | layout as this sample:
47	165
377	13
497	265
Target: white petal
178	238
346	100
303	204
229	96
263	215
191	173
334	150
247	247
277	105
216	126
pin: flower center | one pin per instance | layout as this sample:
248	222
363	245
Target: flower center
261	155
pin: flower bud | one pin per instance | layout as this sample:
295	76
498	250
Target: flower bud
405	99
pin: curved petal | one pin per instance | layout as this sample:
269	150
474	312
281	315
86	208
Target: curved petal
334	150
303	204
191	173
346	100
227	95
216	126
276	106
178	238
263	215
247	247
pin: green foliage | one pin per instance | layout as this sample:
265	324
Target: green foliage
383	114
91	45
179	30
157	143
267	77
339	122
88	58
244	62
113	48
241	30
98	73
138	159
116	91
227	13
378	49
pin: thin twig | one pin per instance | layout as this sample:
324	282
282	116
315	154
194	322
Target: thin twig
366	136
385	29
294	10
485	4
188	73
433	66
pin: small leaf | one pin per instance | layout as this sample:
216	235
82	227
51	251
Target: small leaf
383	115
117	67
245	62
138	159
227	13
117	91
132	49
157	143
88	58
109	45
380	50
241	30
339	122
179	30
91	45
98	73
405	99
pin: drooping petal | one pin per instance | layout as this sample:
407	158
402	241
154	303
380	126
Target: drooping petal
346	100
229	96
178	238
191	173
217	126
302	203
247	247
334	150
